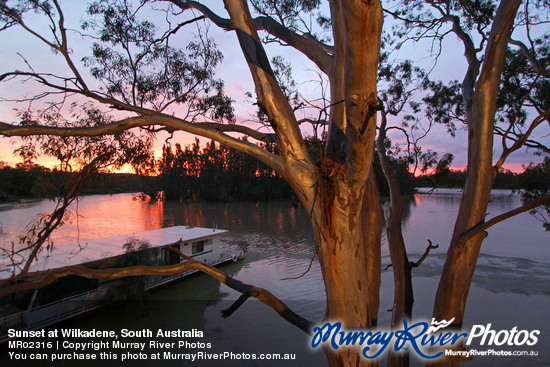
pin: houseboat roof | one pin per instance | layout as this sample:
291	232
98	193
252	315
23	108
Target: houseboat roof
98	249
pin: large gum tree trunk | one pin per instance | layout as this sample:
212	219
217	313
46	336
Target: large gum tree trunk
339	191
347	214
347	228
458	271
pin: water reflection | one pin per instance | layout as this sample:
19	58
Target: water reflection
514	265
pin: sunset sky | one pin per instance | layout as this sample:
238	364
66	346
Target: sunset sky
14	44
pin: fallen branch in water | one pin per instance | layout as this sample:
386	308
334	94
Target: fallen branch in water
426	253
247	290
422	258
31	281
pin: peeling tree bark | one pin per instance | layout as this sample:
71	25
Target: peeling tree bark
340	194
349	254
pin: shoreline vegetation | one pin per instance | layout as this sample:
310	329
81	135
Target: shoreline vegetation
216	173
34	182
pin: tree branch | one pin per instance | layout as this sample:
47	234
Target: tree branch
12	14
235	306
271	98
480	227
37	280
528	143
65	48
43	78
521	140
315	50
530	57
396	200
425	255
468	84
208	130
265	137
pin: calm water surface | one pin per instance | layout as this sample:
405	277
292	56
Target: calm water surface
511	285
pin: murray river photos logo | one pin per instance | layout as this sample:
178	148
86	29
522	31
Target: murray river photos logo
420	338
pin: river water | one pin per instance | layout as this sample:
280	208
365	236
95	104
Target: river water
511	287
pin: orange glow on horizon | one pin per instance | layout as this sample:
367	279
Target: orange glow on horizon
184	139
514	167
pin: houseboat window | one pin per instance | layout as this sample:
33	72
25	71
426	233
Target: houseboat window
198	247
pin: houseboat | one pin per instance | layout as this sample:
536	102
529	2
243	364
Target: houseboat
72	295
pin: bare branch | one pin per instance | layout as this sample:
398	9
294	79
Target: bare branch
62	87
312	121
305	272
235	306
480	227
396	199
258	135
64	48
531	58
468	84
12	14
37	280
425	255
272	99
208	130
315	50
521	139
528	143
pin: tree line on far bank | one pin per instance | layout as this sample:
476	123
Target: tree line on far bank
218	173
36	181
214	173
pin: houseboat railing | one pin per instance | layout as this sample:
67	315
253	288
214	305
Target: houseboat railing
51	313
